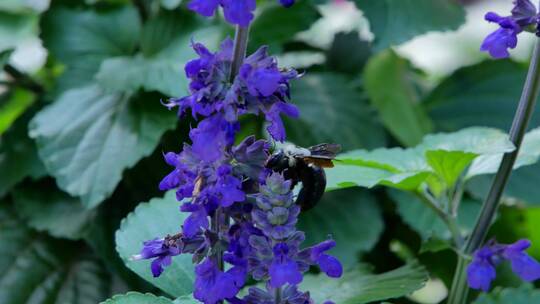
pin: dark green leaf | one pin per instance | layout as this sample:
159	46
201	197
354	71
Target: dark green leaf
358	287
348	53
155	219
351	217
275	25
388	85
137	298
38	270
46	208
521	295
425	221
83	39
4	57
331	110
396	21
87	138
18	156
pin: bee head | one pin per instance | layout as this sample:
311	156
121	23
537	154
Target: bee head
280	161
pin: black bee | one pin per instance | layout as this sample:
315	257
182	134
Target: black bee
305	166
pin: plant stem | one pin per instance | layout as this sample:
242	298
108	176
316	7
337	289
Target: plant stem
239	53
23	79
239	50
446	218
459	291
278	296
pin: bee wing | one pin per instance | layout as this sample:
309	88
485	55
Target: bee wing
319	161
325	151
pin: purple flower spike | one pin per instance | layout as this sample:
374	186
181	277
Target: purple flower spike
481	272
283	269
212	285
161	250
524	14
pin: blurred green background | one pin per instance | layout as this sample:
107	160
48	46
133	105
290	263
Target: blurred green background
82	129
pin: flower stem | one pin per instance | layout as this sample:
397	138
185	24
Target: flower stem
278	296
459	291
239	50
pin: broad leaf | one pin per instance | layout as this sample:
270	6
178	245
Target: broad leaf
16	27
521	295
486	94
444	155
156	219
45	208
351	217
425	221
358	287
388	85
275	26
396	21
137	298
166	48
87	138
331	110
18	156
348	53
38	270
83	39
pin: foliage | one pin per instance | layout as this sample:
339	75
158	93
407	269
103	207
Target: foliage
81	142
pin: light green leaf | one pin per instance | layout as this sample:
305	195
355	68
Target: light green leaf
156	219
449	165
396	21
15	28
83	39
351	217
36	269
275	26
388	85
358	287
170	4
18	156
158	69
87	138
522	295
13	105
137	298
24	6
425	221
331	110
45	208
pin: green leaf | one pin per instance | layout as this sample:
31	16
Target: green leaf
522	295
87	138
4	57
12	105
45	208
396	21
155	219
36	269
331	110
83	39
170	4
166	48
425	221
137	298
275	26
348	53
358	287
18	156
486	94
388	85
351	217
16	27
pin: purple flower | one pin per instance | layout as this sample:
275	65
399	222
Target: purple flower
238	12
213	285
481	271
328	264
289	294
161	250
283	269
497	43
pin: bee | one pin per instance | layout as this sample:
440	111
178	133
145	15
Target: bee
305	165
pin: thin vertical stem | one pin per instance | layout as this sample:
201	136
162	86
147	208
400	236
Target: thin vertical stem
239	50
239	53
459	291
278	295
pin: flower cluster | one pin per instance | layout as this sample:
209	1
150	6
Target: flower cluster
240	213
239	12
481	271
524	17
